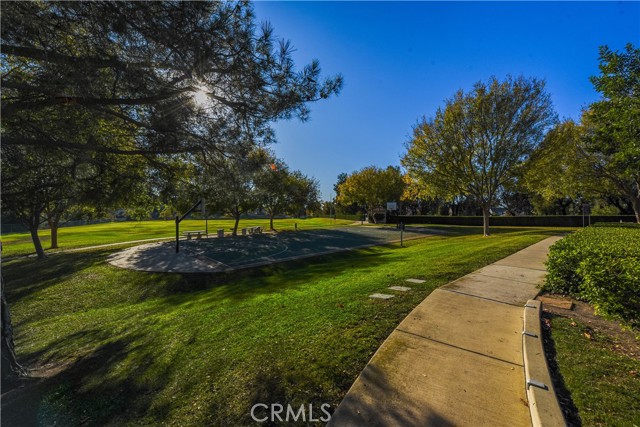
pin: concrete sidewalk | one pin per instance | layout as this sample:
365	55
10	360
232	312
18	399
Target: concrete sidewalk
456	359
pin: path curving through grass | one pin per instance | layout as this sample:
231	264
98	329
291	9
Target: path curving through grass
127	348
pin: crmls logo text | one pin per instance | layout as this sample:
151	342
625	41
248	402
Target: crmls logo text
261	412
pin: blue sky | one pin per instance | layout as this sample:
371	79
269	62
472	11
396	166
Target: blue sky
401	60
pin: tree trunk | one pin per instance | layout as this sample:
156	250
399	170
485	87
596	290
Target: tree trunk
635	202
36	241
485	219
235	226
53	226
11	369
271	215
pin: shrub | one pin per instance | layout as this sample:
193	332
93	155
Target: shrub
612	286
617	224
562	265
600	265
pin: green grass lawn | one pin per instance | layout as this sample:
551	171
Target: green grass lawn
604	384
126	348
116	232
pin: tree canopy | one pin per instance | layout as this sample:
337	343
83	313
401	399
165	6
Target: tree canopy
139	65
372	187
611	126
282	191
554	170
598	158
475	144
98	80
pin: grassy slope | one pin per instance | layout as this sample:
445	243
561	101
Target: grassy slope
140	349
116	232
604	384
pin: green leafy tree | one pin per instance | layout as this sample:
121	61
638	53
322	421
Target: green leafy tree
611	126
415	200
136	66
353	208
41	183
474	145
372	187
516	202
556	173
140	64
304	194
342	177
272	184
599	159
31	183
229	183
281	190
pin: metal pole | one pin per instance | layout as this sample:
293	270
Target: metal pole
177	234
206	217
180	218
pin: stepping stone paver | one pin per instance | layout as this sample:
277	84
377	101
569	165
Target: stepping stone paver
381	296
400	288
415	280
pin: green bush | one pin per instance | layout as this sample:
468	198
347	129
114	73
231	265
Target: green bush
612	285
600	265
562	265
617	224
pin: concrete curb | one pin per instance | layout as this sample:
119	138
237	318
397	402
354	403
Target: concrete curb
543	403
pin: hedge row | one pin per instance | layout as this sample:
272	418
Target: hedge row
600	265
512	221
349	217
618	224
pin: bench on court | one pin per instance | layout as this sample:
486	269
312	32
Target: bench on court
197	233
252	230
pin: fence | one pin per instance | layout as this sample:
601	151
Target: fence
513	221
348	217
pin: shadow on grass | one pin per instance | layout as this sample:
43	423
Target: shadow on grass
80	394
244	284
25	276
569	408
85	391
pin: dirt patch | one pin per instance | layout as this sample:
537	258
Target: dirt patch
619	339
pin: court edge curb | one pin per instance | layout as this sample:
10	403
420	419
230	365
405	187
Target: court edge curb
543	402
